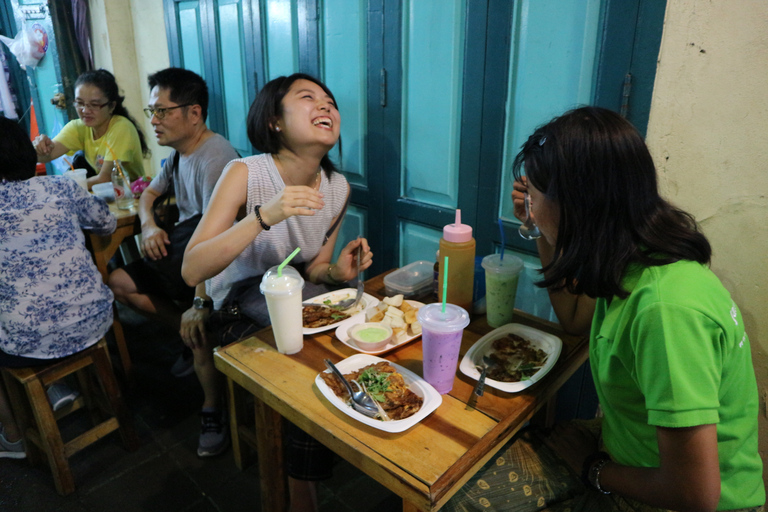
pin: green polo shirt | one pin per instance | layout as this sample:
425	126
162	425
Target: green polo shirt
674	354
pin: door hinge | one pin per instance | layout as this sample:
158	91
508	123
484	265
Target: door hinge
383	87
625	94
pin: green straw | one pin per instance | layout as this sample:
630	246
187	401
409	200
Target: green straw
285	262
445	281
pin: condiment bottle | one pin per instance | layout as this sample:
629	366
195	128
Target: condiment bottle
457	243
123	194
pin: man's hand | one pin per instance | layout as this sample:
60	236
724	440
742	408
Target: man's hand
192	328
153	242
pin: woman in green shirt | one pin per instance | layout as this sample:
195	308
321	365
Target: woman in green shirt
670	359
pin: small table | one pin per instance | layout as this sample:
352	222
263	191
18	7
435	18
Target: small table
103	249
424	465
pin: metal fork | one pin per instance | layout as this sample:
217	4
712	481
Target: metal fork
351	303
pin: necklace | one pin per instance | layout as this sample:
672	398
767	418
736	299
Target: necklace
288	179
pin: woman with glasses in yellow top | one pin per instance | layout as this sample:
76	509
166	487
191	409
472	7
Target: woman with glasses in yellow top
104	131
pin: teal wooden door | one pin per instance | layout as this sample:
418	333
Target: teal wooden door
435	96
216	39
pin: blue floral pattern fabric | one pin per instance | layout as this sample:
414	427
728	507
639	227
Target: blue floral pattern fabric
53	302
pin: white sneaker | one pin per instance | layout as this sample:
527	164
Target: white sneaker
9	450
214	434
60	395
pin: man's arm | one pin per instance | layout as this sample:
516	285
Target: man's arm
153	238
192	328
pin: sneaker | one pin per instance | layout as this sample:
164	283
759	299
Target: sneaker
184	365
214	434
9	450
60	395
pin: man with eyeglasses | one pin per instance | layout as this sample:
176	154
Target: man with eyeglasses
178	107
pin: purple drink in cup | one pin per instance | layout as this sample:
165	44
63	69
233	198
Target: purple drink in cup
441	341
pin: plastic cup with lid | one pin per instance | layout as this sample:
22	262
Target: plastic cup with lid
282	290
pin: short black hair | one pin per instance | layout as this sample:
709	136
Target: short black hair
18	158
596	167
184	87
268	107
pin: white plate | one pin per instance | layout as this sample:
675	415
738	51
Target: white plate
550	344
368	301
432	398
344	325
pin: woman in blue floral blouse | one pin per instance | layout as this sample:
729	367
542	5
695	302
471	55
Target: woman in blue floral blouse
53	302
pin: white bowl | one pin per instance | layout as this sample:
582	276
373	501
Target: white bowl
371	345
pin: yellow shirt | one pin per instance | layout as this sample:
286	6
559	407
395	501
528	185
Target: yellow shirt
121	137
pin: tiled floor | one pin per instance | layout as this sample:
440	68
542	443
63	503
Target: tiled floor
165	474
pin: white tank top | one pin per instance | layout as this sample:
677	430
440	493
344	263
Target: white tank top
271	247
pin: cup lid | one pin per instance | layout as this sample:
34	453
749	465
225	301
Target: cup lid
432	317
511	264
284	284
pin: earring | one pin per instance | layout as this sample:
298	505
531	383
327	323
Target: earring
277	128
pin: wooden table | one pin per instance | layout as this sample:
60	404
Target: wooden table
424	465
103	249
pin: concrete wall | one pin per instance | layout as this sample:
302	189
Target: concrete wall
129	40
707	131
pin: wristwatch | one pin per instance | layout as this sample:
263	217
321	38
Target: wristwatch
201	303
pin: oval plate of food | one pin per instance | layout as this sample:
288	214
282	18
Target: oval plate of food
517	357
405	332
322	318
398	398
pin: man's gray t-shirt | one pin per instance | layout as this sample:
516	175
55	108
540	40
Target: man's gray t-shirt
197	175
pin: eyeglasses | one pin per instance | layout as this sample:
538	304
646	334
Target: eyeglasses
79	105
160	113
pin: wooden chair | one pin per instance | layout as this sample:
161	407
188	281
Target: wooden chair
100	394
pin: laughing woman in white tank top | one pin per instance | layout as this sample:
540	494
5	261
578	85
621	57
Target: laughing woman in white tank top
265	206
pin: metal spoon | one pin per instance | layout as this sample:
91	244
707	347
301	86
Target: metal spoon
360	402
528	229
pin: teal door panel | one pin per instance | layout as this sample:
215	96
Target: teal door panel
191	37
344	67
234	70
282	44
422	242
554	45
433	60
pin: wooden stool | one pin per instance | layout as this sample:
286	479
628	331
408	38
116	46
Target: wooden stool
38	422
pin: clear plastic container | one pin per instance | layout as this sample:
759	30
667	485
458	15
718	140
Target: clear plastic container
413	280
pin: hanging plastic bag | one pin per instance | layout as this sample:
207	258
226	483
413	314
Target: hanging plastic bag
29	45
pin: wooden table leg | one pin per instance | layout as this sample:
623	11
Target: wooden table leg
272	474
122	346
409	507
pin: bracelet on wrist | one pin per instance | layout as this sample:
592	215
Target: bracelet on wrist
590	473
258	216
329	276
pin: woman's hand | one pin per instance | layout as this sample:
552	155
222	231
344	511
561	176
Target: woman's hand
43	145
346	266
519	188
292	200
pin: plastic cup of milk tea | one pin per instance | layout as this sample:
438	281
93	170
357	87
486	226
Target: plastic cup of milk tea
79	175
283	295
441	341
501	277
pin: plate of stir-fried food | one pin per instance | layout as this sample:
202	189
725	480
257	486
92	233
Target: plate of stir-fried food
403	398
319	314
516	356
